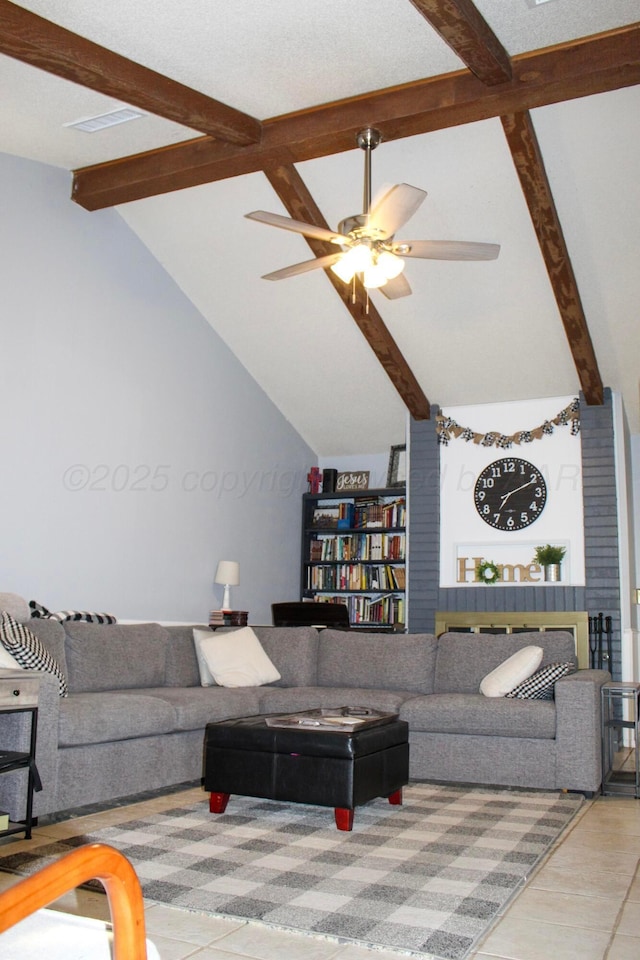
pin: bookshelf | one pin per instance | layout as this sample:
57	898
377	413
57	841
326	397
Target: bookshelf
354	552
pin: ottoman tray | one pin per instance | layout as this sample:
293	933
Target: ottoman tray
331	768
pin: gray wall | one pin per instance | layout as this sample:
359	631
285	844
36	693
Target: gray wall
634	447
601	593
136	450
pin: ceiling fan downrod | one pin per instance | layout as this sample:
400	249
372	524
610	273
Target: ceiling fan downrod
368	140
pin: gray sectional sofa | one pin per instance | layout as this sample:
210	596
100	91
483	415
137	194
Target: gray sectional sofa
135	715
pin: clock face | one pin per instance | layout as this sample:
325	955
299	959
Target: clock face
510	494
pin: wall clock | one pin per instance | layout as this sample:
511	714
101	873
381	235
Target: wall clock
510	494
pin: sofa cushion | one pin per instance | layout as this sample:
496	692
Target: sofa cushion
234	659
294	651
16	606
181	666
113	715
472	714
195	707
511	672
294	699
463	659
51	635
115	656
386	661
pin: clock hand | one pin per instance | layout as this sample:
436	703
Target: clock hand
511	492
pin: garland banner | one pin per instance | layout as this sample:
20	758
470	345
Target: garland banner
446	428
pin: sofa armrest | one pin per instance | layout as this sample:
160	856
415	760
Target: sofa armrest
15	731
578	730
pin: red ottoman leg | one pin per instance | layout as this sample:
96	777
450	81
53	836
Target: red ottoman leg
396	797
344	818
218	802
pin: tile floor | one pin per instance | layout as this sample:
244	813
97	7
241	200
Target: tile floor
582	902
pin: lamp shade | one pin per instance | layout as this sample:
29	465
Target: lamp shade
228	572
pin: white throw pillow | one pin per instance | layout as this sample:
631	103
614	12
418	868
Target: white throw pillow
511	672
200	636
234	659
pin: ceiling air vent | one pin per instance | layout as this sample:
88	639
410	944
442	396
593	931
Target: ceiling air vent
93	124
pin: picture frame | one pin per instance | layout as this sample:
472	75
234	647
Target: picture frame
397	472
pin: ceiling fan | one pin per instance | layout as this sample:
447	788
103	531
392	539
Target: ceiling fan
367	239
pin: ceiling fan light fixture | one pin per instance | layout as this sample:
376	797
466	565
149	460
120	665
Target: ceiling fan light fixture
356	260
344	270
390	264
374	277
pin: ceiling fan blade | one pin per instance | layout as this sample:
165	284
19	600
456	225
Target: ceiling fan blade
394	208
446	249
297	226
396	288
304	267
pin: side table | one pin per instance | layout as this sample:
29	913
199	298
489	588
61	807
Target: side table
20	695
620	711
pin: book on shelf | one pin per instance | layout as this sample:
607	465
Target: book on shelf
355	576
384	610
345	517
4	820
326	517
317	550
357	546
361	513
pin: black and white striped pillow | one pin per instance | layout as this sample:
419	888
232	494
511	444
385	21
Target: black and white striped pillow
85	615
26	649
37	610
540	685
62	616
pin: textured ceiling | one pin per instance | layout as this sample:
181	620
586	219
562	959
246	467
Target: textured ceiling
471	332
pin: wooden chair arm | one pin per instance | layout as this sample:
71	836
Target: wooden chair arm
94	861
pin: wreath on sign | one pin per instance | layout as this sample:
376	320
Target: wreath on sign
487	572
446	428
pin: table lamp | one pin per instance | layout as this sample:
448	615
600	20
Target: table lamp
228	573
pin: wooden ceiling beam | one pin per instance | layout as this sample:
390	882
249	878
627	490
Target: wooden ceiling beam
294	194
527	157
464	29
591	65
31	39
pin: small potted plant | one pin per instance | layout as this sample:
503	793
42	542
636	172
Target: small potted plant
550	559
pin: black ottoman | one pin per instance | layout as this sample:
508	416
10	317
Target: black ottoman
331	768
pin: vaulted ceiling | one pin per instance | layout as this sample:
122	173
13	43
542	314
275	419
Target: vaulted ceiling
520	119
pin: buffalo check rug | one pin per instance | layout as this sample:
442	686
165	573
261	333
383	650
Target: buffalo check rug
426	878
